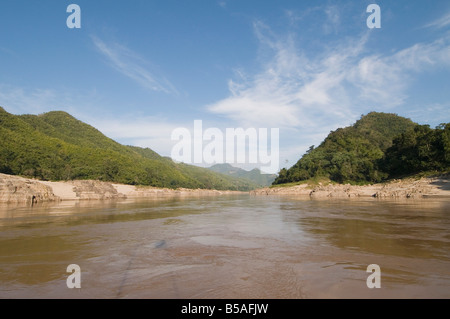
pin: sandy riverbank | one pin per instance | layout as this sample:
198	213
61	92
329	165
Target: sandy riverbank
430	187
16	189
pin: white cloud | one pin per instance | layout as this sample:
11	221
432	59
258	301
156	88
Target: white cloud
22	100
291	90
154	132
333	86
333	19
18	100
440	23
130	64
151	132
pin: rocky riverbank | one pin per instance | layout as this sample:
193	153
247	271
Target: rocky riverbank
16	189
406	188
20	190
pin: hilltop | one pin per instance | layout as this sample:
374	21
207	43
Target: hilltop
378	147
55	146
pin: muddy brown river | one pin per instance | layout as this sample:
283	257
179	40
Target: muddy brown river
236	246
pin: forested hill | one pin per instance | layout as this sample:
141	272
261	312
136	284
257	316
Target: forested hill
57	146
377	147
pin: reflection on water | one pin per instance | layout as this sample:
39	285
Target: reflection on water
386	228
236	246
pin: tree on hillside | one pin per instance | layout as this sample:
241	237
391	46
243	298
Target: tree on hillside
419	149
350	154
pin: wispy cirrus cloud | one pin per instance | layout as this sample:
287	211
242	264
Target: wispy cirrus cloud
148	131
222	3
25	100
133	66
333	19
295	89
440	23
19	100
292	89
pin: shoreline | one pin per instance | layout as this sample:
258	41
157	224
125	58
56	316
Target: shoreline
21	190
425	187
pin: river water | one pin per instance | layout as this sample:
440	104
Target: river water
236	246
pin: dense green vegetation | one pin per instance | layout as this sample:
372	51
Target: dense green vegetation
254	176
377	147
418	150
56	146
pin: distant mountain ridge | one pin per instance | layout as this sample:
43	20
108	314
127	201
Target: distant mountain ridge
255	175
57	146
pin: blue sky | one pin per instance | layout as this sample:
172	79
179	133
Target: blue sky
136	70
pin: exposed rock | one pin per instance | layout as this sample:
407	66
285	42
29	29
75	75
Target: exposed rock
407	188
90	189
303	189
148	191
14	189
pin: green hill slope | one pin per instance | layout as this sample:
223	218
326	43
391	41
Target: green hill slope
56	146
254	176
350	154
